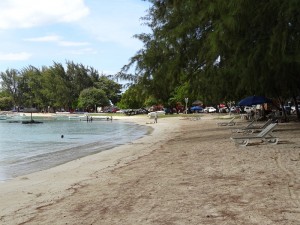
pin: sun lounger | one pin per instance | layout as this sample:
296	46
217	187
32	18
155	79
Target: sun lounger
229	123
242	130
250	128
265	136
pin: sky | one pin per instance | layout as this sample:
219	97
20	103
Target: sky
95	33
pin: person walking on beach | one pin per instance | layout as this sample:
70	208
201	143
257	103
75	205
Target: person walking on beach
155	117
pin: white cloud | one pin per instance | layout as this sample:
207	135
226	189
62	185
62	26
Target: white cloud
72	43
31	13
58	40
96	32
50	38
82	51
116	24
19	56
112	30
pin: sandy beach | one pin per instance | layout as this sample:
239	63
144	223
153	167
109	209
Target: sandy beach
184	172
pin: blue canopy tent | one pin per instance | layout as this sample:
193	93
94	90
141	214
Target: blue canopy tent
254	100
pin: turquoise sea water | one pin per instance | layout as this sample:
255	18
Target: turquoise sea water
27	148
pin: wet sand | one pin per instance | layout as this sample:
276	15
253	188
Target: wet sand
184	172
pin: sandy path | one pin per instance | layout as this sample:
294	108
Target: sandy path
185	172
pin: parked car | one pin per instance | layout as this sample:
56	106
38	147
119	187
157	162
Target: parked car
196	109
131	112
249	109
223	110
210	110
121	111
235	109
293	109
110	110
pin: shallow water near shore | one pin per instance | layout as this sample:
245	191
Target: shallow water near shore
27	148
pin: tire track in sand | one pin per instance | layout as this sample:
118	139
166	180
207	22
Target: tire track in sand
292	183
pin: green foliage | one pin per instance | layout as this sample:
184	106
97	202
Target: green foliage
57	89
91	97
180	93
150	101
132	98
214	51
111	88
30	87
219	50
10	82
6	103
56	86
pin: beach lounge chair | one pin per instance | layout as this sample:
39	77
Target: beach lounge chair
250	128
264	136
228	123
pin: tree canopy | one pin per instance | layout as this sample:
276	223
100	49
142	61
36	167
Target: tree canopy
91	97
57	87
215	51
219	50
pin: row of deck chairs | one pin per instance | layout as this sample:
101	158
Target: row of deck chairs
252	128
243	136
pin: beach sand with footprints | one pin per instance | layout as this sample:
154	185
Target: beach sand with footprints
186	171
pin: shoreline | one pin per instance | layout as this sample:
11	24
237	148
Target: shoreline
48	151
184	172
138	120
22	188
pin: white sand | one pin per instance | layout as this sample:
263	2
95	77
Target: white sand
185	172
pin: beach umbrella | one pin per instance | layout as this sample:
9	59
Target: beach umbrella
30	110
254	100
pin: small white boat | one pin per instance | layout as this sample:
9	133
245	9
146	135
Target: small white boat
101	117
77	117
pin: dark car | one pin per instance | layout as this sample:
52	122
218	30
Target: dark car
110	110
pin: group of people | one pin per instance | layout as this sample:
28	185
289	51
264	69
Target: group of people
89	119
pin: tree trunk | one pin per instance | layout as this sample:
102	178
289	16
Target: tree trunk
283	111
